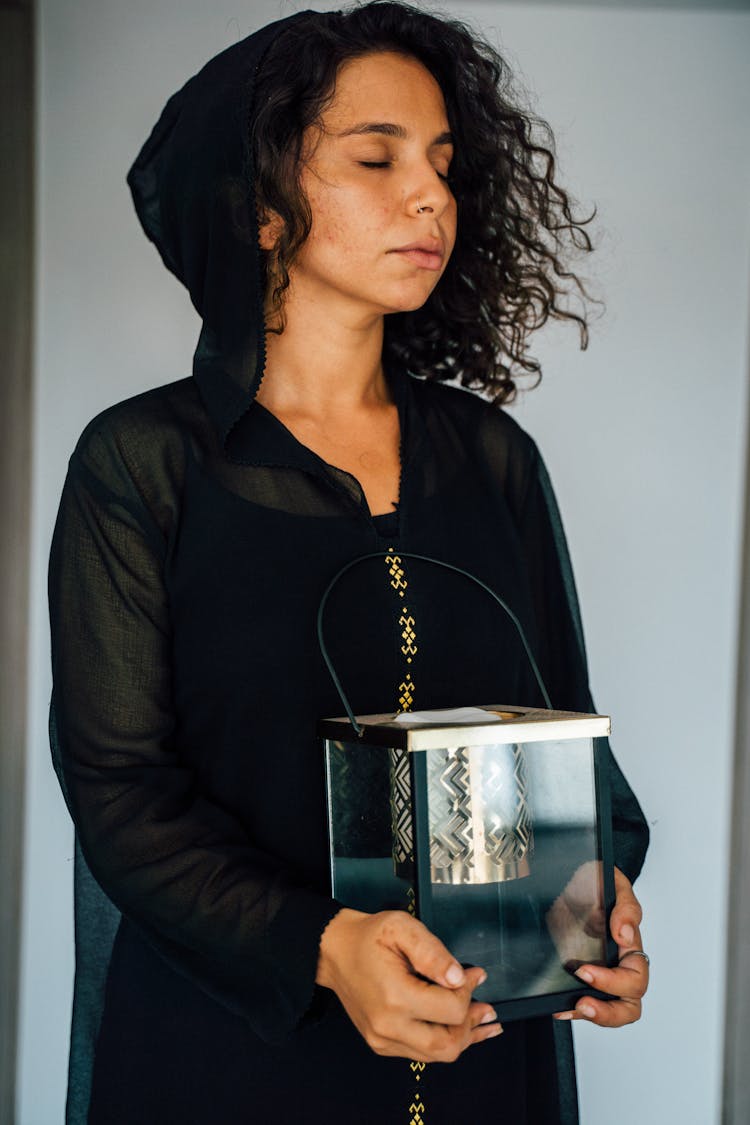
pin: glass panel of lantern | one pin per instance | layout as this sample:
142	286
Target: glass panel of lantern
492	825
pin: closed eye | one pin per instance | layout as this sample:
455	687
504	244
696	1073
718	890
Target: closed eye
387	164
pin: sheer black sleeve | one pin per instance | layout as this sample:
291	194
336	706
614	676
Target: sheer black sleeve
182	868
561	649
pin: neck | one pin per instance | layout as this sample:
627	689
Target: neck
319	366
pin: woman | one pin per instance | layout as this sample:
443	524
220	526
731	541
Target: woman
357	208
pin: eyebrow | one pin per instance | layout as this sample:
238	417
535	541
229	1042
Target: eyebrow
388	129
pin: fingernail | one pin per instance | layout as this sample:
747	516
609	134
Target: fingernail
482	979
563	1015
489	1017
587	1011
455	974
493	1031
584	974
627	933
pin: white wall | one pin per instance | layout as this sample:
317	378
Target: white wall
643	434
644	437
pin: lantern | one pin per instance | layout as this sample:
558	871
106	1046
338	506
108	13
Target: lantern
491	824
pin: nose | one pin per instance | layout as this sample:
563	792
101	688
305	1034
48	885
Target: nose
430	193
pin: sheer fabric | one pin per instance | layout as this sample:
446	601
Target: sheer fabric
194	540
187	683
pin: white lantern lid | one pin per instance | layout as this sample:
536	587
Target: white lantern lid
487	725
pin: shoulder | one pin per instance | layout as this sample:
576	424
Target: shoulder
135	449
474	412
489	433
153	416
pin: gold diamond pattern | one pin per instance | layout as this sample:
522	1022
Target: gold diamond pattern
408	635
396	571
416	1109
401	811
406	691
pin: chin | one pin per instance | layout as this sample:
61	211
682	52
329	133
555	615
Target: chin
411	302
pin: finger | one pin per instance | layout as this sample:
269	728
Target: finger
435	1004
637	951
428	1043
480	1015
626	914
426	953
474	977
482	1034
608	1013
445	1044
628	980
567	1016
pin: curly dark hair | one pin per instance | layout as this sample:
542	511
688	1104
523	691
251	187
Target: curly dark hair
515	222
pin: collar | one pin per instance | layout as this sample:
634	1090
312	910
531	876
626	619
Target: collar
259	438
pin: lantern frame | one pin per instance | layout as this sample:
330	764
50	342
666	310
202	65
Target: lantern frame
417	736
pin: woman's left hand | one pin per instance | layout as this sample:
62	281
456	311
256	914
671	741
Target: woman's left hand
629	980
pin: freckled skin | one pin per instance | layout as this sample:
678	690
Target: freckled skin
361	213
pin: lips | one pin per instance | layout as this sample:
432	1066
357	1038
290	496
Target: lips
428	253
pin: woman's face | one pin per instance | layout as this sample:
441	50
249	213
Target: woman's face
383	150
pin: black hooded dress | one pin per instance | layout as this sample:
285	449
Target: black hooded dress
194	540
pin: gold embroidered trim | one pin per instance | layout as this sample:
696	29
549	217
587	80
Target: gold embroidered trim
406	691
416	1109
408	635
406	621
400	810
396	571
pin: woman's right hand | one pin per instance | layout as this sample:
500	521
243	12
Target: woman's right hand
371	962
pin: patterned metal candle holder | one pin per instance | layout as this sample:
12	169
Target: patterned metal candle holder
484	838
491	825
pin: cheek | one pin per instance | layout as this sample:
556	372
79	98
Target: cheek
333	222
351	226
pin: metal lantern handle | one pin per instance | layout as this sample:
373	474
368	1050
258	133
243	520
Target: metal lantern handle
446	566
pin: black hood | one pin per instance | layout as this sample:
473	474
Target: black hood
193	188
